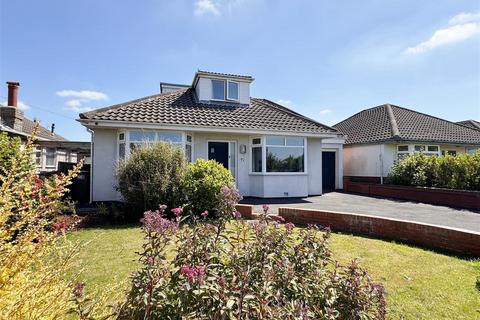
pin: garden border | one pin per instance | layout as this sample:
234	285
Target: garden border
454	198
454	240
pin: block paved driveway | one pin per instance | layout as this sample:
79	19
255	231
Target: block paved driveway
389	208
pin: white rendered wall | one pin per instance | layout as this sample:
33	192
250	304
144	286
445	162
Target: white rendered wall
104	164
314	163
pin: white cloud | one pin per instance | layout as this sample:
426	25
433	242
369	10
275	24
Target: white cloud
325	111
21	105
84	94
206	6
80	99
465	17
463	26
287	103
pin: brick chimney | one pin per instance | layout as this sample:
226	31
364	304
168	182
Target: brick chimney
11	115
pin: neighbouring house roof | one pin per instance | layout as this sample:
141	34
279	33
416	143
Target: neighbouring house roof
393	123
471	124
27	129
183	108
42	132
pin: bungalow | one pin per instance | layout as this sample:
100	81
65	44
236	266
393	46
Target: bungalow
377	137
271	151
51	148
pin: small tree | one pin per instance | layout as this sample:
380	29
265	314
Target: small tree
34	258
203	185
152	175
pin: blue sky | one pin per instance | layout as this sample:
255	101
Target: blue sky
326	59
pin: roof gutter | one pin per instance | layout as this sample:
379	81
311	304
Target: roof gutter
112	124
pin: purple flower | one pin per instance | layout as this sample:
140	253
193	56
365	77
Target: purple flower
193	273
177	211
154	222
204	214
237	215
78	289
265	208
150	260
289	226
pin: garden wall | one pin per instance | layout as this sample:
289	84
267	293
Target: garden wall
454	198
437	237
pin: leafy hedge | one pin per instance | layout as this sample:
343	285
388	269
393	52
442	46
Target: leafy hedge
452	172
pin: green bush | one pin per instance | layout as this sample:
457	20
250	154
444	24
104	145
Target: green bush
9	150
453	172
203	184
152	175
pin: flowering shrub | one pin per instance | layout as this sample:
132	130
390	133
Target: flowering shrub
455	172
150	176
245	270
203	185
34	256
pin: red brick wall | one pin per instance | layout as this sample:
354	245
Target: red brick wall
245	210
445	197
454	240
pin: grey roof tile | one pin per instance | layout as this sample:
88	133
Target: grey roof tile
182	108
471	124
376	125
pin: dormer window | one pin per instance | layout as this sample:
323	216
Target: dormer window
218	89
232	90
224	90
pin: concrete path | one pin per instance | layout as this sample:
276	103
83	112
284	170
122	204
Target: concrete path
389	208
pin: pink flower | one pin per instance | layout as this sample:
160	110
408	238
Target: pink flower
289	226
265	208
204	214
154	222
277	218
150	260
193	274
177	211
238	215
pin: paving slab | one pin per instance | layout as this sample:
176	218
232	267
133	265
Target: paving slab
389	208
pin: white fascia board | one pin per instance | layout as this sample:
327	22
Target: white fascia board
92	124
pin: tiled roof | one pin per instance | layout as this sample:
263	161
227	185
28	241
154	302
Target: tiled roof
392	123
224	75
471	124
182	108
42	132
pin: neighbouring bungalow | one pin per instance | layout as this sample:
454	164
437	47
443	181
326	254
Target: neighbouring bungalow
471	124
51	148
271	151
377	137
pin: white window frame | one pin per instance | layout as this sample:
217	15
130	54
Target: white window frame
127	140
54	158
264	146
407	153
228	91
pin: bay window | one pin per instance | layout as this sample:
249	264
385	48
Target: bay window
280	154
130	140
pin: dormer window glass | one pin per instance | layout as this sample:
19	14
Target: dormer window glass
232	90
218	89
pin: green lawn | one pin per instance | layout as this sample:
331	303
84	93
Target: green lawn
421	284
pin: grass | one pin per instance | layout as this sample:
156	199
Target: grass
421	284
